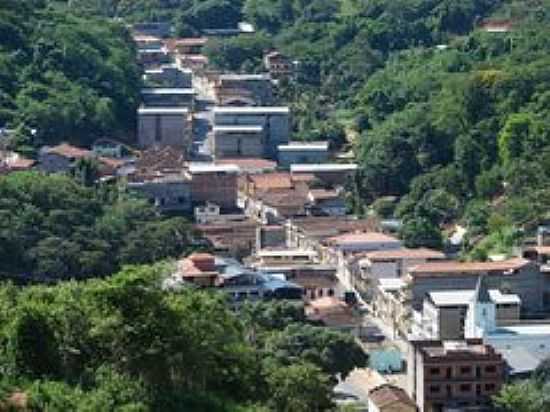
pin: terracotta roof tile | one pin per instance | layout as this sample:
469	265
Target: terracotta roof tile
387	394
67	150
405	253
277	180
447	267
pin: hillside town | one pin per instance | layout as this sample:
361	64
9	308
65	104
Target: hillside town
271	222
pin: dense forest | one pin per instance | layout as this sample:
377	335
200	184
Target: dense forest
52	227
70	78
124	344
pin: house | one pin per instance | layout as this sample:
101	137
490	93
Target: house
229	235
214	183
192	61
14	162
227	275
390	398
388	303
238	141
363	242
302	153
275	122
327	202
310	232
63	157
168	97
109	148
198	269
277	64
150	58
168	192
157	29
160	159
451	315
147	42
190	45
443	375
248	89
496	26
270	236
164	126
169	76
395	263
274	206
513	276
330	173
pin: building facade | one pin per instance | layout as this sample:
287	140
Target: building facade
274	120
214	184
161	127
453	374
237	141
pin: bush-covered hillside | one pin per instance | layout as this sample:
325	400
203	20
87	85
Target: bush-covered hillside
123	344
71	78
53	228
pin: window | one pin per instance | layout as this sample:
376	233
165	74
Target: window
434	371
465	370
491	369
490	387
435	389
465	387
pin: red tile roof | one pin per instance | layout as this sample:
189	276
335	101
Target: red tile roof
360	237
67	150
267	181
385	395
447	267
405	253
250	164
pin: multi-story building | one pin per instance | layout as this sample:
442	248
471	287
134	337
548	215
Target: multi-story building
212	183
274	120
168	97
302	153
443	375
169	76
395	263
513	276
237	141
164	126
249	89
168	192
329	173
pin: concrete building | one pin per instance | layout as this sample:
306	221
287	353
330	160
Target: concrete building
274	120
169	193
395	263
168	97
164	126
363	242
278	65
214	184
248	89
150	58
390	398
514	276
237	141
326	202
169	76
450	375
329	173
302	153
